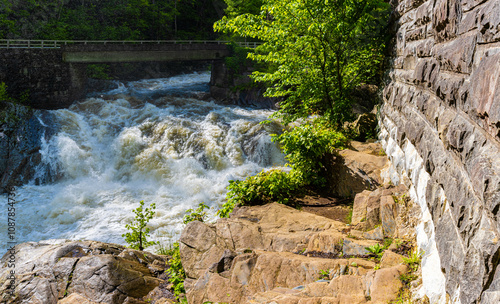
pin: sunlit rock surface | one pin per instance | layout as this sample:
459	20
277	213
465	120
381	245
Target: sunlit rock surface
440	129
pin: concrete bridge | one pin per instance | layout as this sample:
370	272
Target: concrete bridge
53	72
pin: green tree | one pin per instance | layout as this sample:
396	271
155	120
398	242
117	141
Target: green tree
316	50
6	25
137	239
240	7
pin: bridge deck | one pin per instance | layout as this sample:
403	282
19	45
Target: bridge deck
51	44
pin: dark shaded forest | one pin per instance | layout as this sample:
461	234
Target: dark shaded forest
109	19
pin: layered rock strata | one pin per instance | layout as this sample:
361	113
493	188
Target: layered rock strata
277	254
441	130
71	272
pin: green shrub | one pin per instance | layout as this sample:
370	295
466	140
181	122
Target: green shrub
324	274
176	271
267	186
237	59
98	71
376	250
307	148
4	96
137	239
196	215
413	260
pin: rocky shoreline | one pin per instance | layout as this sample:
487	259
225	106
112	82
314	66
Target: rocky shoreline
261	254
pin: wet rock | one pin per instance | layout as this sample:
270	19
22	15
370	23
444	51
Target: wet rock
20	144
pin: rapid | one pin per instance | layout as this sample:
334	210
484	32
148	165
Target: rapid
150	140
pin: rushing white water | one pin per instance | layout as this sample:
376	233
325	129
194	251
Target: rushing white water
140	142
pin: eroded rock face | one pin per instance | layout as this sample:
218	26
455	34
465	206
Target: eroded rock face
80	272
20	142
441	130
276	253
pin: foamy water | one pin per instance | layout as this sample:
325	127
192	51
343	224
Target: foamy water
140	142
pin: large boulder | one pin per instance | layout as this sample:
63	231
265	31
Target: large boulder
80	272
358	169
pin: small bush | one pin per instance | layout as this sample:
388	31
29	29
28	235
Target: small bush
176	271
307	146
99	71
137	239
413	260
376	250
196	215
324	274
267	186
237	59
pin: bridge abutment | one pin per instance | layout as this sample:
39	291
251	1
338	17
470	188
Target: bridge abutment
55	78
39	74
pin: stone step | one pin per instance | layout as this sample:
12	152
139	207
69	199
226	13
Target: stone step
376	286
261	271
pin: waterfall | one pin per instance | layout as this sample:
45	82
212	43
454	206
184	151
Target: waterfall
148	140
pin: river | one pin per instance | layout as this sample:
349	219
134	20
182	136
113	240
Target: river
150	140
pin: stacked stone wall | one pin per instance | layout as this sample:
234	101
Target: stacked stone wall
440	127
41	74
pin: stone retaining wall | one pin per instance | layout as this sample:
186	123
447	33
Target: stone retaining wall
49	82
441	129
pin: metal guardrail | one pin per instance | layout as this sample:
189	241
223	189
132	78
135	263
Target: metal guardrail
55	44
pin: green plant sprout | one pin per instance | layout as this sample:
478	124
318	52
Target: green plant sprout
413	260
324	274
376	250
196	215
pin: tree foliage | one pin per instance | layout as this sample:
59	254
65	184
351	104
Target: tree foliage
240	7
107	19
137	238
307	147
316	50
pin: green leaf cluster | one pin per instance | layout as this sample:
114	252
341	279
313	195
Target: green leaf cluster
175	270
196	215
137	238
267	186
307	148
413	260
238	7
376	250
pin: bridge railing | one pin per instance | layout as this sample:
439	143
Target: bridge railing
55	44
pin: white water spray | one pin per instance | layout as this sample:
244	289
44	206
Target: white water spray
140	142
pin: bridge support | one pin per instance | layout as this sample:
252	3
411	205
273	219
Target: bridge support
56	77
